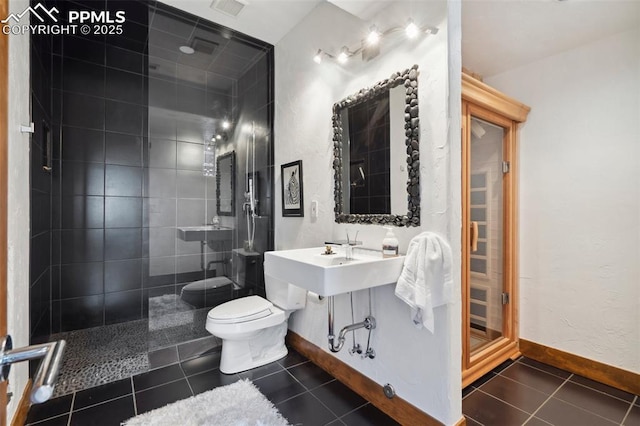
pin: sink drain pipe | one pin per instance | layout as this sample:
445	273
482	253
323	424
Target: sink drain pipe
369	323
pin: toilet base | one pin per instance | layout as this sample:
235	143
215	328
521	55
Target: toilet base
266	346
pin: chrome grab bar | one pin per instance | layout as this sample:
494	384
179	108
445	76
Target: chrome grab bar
47	373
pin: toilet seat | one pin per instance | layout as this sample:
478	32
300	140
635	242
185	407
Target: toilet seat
239	318
240	310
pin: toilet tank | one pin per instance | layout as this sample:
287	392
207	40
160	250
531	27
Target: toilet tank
284	295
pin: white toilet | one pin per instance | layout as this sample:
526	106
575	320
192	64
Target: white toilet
253	329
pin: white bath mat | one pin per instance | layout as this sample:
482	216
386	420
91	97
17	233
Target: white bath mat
238	404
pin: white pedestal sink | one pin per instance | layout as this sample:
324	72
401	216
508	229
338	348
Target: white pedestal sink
328	275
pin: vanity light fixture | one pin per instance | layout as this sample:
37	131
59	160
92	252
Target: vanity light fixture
411	29
321	54
374	36
344	55
369	47
226	124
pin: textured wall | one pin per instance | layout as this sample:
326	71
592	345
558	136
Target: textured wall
424	368
580	200
18	206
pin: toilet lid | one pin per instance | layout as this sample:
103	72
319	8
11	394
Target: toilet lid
241	310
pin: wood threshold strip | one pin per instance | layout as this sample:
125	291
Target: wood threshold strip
20	417
397	408
625	380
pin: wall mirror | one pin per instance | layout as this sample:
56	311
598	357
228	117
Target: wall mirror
225	191
376	153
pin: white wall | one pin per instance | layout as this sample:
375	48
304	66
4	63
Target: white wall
580	199
423	368
18	206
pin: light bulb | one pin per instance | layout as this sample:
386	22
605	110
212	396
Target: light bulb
412	29
344	55
318	57
226	124
374	36
218	137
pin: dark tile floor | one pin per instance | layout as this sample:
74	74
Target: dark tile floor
301	391
529	393
516	393
99	355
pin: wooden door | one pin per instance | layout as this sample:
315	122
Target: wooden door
487	111
4	88
488	245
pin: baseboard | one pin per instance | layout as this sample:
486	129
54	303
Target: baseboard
609	375
20	417
396	408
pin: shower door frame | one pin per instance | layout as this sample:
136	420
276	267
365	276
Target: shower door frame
4	142
481	101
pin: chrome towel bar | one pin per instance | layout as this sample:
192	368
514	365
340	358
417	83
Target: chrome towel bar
47	372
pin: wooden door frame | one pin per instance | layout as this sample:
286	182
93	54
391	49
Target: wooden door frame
484	102
4	151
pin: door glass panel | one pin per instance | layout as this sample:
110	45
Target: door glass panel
486	213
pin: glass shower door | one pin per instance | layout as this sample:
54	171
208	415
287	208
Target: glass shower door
486	286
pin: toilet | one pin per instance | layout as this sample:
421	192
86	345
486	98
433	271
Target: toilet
252	328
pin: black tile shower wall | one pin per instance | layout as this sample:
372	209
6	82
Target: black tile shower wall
40	192
255	109
128	116
99	113
189	98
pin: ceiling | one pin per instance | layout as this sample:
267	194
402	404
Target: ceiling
266	20
502	35
497	35
219	57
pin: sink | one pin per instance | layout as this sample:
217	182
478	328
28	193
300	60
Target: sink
329	275
204	233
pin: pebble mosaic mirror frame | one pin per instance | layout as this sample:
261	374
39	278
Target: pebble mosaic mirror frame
408	78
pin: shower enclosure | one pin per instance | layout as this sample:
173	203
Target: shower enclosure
151	189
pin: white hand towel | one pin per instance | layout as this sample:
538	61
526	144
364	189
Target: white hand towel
425	281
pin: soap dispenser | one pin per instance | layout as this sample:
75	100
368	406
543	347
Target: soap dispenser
389	244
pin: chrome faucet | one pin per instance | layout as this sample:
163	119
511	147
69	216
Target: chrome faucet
348	251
